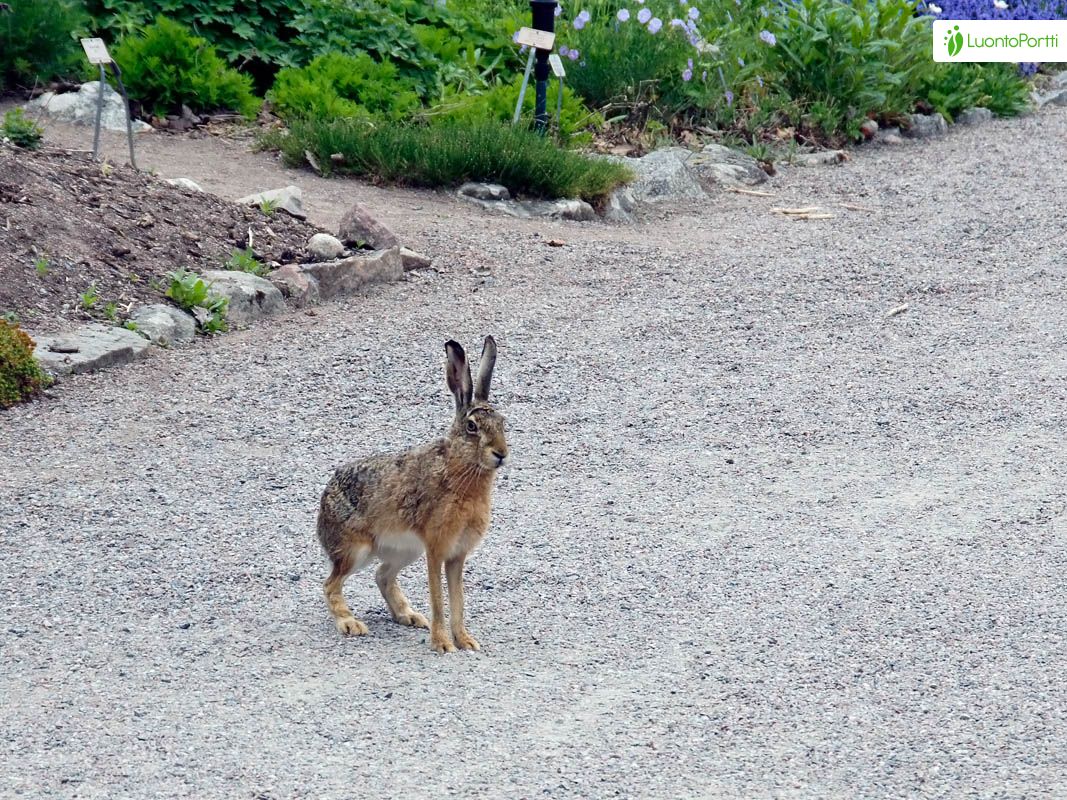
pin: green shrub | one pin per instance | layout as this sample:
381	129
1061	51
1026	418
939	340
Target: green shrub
447	154
336	85
168	66
189	291
38	40
20	375
498	104
21	130
952	87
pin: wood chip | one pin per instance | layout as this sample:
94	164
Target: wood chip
750	192
895	311
854	207
314	162
805	210
555	243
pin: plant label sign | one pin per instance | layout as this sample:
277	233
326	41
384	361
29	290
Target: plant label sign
96	51
556	63
539	40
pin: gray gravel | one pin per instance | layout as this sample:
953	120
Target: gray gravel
759	540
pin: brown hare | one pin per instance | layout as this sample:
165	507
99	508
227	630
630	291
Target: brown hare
433	499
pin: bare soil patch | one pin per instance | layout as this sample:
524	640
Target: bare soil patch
69	225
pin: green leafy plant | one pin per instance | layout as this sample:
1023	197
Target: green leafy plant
192	294
447	154
167	66
246	261
90	297
20	129
130	325
268	206
38	40
111	311
10	317
336	85
42	266
20	375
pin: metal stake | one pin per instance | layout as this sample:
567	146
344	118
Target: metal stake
99	113
522	90
126	107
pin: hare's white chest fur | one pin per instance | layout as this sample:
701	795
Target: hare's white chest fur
466	542
402	546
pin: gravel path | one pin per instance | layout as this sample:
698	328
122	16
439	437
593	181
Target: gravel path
759	540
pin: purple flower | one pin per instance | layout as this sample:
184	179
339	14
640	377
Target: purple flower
740	61
683	2
687	75
677	23
768	37
704	75
759	80
623	15
729	98
515	37
523	49
694	39
654	25
694	13
563	50
585	16
644	15
573	55
689	62
578	23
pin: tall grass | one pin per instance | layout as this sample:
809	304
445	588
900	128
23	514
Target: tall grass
447	154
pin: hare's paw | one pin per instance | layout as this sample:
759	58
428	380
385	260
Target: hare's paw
466	642
413	619
350	626
442	643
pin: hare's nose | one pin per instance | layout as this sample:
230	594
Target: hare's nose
499	457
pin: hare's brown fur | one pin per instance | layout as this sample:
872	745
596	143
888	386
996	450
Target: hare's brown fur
435	498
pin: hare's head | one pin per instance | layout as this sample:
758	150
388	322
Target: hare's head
478	430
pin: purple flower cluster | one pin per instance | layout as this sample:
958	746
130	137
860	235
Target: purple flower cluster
1000	9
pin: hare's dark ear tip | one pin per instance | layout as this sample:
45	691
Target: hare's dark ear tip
489	340
453	346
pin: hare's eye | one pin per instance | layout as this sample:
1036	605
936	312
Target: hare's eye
472	427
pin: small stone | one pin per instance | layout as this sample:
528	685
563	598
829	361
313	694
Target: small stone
164	325
290	200
1057	97
92	347
360	229
249	295
412	260
821	158
926	126
892	138
484	191
300	288
324	247
974	116
869	128
185	183
620	206
352	274
65	344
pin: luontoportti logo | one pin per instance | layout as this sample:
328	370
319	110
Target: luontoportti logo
954	41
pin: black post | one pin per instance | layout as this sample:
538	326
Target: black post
544	19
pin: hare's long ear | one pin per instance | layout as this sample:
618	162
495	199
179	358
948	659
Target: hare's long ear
485	369
458	375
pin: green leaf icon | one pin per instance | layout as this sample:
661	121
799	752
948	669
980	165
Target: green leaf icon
954	41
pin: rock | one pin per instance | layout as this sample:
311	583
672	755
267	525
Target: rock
485	191
974	116
892	138
722	166
290	200
926	126
412	260
185	183
620	206
1059	81
1057	97
578	210
820	158
869	128
164	325
89	348
360	229
663	176
80	108
296	285
250	296
351	274
324	247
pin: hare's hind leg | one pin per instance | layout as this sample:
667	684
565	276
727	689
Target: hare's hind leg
398	603
352	559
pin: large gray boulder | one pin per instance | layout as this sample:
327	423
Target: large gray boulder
352	274
484	191
250	296
974	116
573	209
290	200
89	348
664	176
926	126
80	108
164	325
722	166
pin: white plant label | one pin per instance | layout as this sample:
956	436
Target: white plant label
96	51
540	40
556	63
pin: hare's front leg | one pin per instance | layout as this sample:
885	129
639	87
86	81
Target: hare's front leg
440	640
454	570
